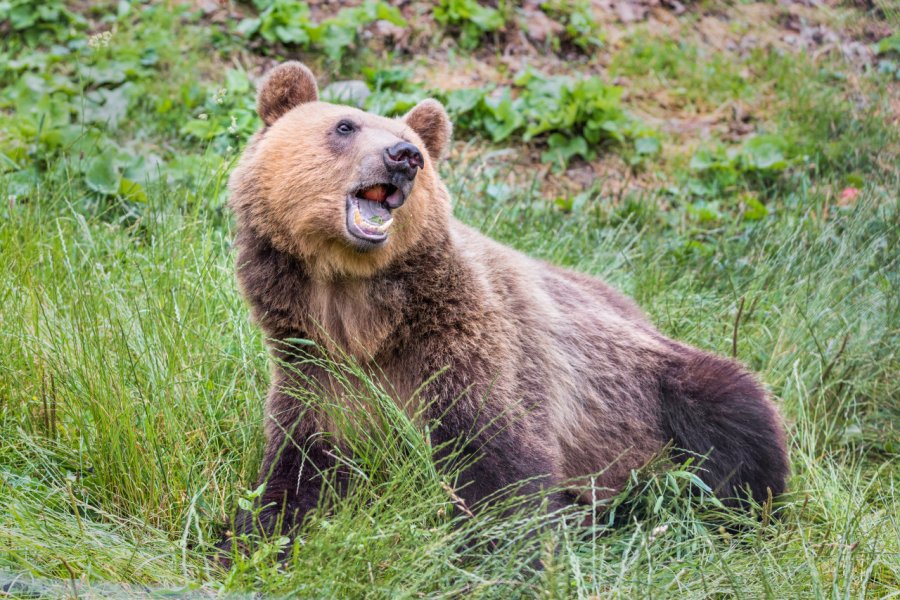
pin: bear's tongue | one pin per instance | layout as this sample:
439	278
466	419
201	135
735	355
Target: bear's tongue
376	193
374	212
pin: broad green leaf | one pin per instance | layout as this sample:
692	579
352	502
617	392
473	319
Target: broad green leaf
646	146
463	100
563	149
764	153
132	191
754	210
237	81
102	175
702	160
106	106
248	27
890	44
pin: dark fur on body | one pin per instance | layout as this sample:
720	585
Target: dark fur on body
549	375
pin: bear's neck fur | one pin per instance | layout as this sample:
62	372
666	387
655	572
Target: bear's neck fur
366	317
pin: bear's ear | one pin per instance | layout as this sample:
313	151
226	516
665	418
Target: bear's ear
430	121
284	87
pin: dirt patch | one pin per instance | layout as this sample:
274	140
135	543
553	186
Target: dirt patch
455	73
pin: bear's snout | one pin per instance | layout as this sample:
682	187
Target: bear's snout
403	158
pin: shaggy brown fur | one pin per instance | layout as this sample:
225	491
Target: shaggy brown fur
550	375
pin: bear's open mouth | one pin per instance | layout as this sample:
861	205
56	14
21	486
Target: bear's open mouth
369	211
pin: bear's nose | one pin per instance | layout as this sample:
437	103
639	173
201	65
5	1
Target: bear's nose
404	158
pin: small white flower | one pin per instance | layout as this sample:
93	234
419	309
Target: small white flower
203	116
234	126
100	40
658	531
220	96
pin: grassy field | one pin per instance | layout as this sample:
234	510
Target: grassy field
745	194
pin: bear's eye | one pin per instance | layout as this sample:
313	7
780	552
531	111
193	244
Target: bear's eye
345	128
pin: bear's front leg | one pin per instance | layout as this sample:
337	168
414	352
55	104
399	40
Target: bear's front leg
295	463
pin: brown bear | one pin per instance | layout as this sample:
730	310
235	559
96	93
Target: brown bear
345	237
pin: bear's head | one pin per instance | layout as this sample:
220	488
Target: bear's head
345	191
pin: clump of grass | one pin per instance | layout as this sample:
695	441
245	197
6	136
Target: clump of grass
694	79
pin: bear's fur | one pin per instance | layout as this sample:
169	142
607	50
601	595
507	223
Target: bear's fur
549	375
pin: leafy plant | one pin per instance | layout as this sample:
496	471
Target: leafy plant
393	90
63	109
228	115
290	23
32	20
889	44
718	170
472	20
581	27
54	115
889	49
573	117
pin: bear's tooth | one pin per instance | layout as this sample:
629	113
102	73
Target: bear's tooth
384	226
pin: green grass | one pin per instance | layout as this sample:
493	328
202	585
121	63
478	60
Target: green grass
697	80
131	380
132	390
